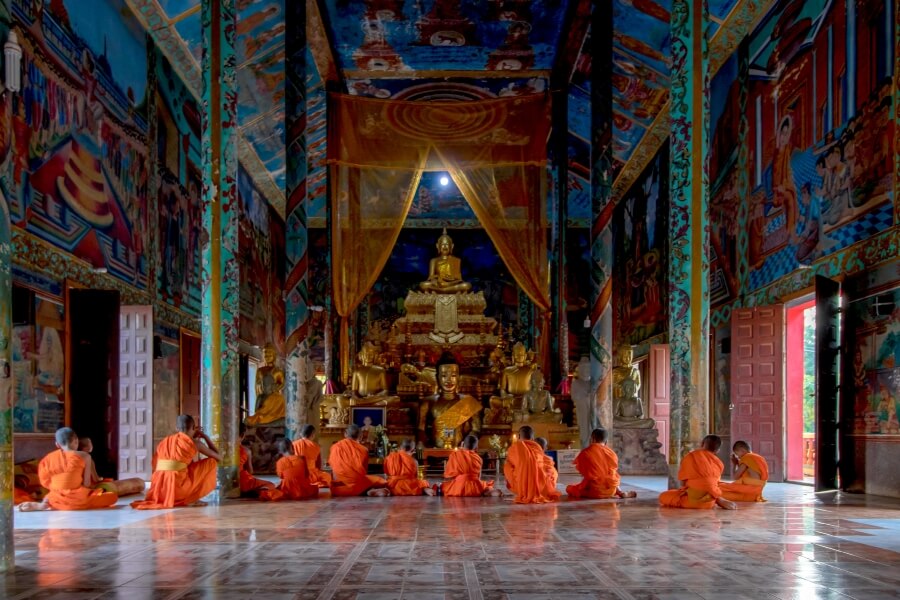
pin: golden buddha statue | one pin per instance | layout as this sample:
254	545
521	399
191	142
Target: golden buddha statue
452	415
628	410
269	386
444	273
538	401
368	378
515	380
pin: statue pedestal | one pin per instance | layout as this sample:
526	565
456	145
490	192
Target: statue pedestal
261	443
638	451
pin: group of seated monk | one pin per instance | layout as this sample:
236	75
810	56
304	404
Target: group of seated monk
179	480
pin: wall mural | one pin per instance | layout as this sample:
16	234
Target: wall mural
316	145
77	178
261	254
178	196
820	137
641	255
579	159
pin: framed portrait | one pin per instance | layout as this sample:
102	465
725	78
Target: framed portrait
358	415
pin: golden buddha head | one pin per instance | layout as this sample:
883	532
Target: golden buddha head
447	374
519	354
269	354
626	355
368	354
444	244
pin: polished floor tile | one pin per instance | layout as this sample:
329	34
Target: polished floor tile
796	546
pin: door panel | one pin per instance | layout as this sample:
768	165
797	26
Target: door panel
757	389
658	399
135	397
828	346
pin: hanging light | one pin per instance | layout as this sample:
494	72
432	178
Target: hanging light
445	181
12	55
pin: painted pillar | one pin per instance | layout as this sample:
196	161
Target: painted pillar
297	243
602	204
689	231
7	551
220	276
152	257
559	365
743	171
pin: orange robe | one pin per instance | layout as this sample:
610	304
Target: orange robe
550	470
176	480
20	496
748	488
526	474
349	462
295	482
63	474
311	452
599	466
247	481
464	466
700	471
403	475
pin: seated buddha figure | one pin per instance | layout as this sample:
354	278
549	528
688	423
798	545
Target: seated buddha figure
269	397
444	273
369	380
628	410
515	381
451	415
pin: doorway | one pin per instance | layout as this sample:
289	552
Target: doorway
190	375
800	390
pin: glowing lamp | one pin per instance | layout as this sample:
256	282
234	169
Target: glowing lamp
12	54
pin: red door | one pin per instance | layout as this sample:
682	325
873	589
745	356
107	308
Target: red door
757	388
658	397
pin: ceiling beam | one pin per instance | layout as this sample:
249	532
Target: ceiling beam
576	23
321	45
447	74
740	23
154	20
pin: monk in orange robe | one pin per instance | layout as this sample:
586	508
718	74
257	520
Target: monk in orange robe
403	472
349	462
464	468
307	448
700	471
295	482
750	477
250	485
525	471
599	466
176	480
549	466
66	472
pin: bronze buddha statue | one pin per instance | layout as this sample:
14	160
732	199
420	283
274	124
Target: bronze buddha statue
444	272
270	405
628	410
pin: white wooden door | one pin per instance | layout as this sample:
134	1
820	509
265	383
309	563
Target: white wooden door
135	391
658	398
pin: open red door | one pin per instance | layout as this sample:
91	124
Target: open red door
660	403
757	382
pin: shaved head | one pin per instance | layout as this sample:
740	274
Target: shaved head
352	432
469	443
741	445
526	432
307	431
65	435
184	422
542	442
599	435
712	443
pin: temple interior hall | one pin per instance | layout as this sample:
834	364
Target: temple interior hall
449	299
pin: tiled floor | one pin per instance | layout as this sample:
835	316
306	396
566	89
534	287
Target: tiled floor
798	545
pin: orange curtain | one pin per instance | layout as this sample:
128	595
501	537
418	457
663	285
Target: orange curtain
495	151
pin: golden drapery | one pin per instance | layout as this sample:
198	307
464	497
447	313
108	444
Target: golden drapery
494	150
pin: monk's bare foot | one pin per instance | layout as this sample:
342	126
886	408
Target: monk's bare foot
198	503
493	493
726	504
629	494
32	506
379	492
429	492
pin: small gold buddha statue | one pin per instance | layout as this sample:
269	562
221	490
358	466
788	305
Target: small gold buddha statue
515	380
368	378
270	404
628	410
452	415
444	273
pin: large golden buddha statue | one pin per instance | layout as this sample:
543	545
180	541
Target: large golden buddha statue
368	378
444	272
452	415
628	409
269	397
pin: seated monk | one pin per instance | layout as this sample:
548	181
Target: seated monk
464	468
599	466
87	446
250	485
307	448
403	472
526	471
349	462
176	480
549	467
700	471
750	477
295	482
66	472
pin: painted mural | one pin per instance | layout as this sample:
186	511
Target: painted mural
316	144
78	178
261	254
875	322
641	255
820	139
579	157
178	196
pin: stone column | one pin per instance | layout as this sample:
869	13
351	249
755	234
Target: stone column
601	210
689	231
560	133
7	551
220	400
297	243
